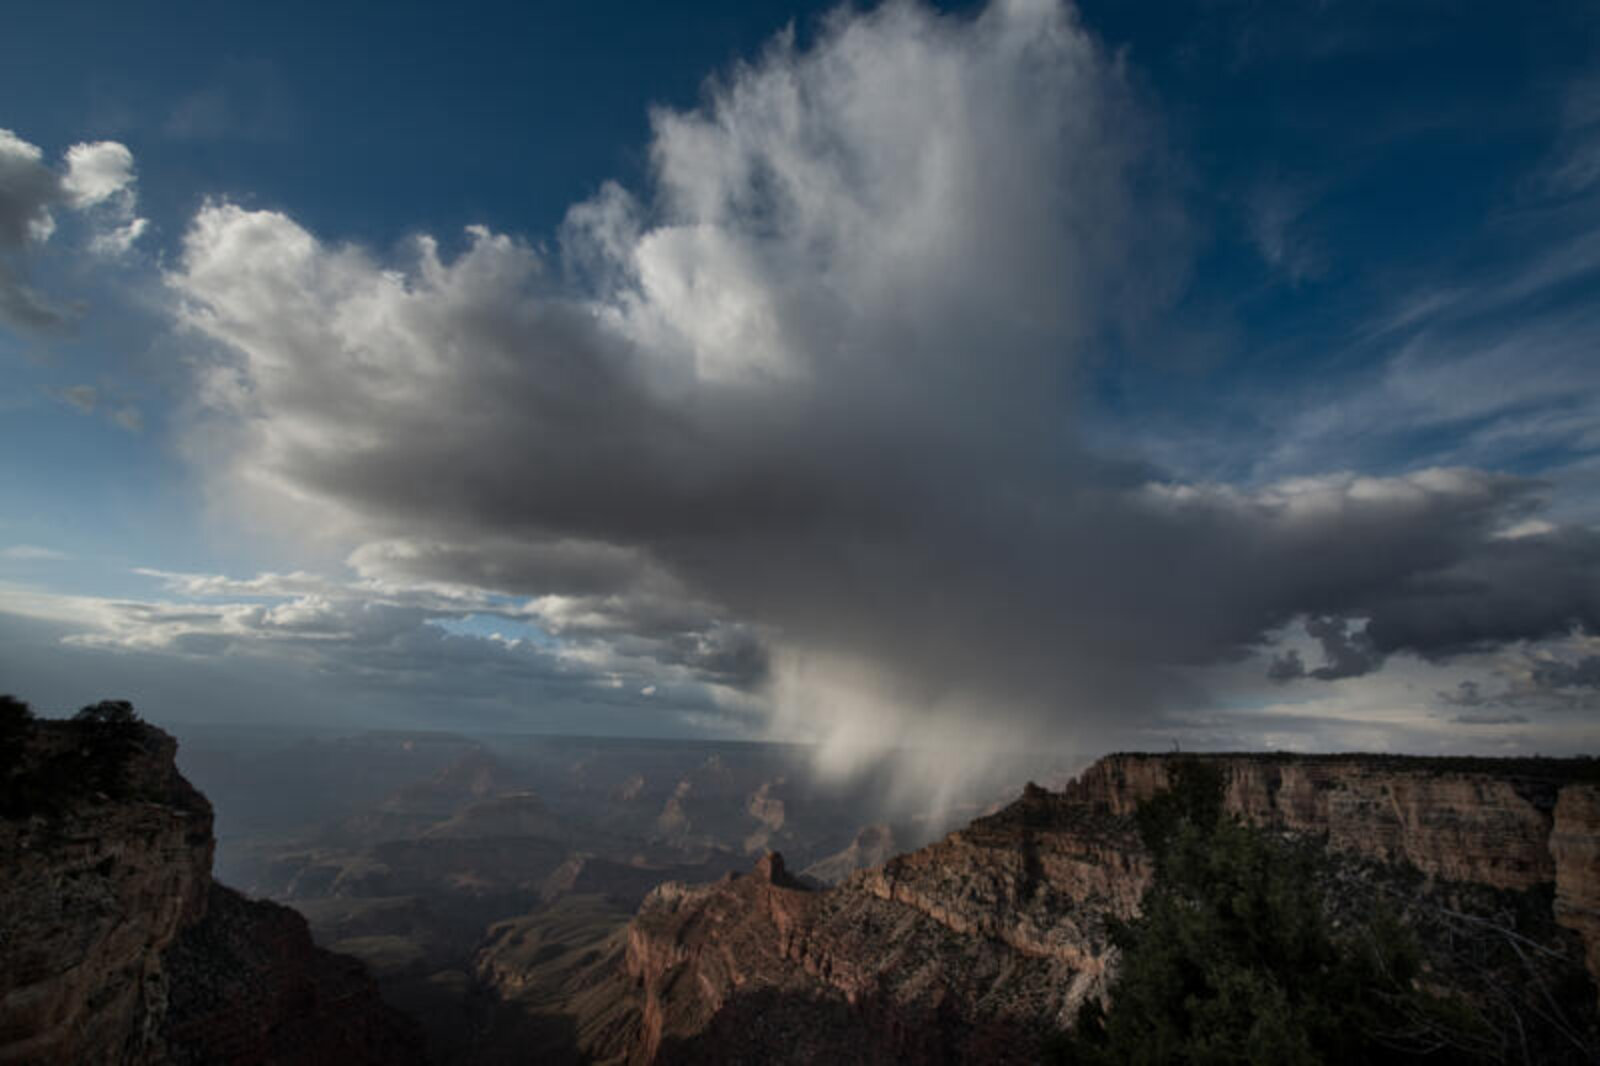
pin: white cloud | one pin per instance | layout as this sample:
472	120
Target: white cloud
384	644
32	553
97	172
98	183
27	189
100	179
118	241
799	415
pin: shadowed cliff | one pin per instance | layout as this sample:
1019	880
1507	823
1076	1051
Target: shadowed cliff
115	944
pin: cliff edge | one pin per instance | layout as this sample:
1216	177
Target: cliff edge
115	944
976	948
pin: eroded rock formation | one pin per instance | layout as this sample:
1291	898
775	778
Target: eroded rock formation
117	947
974	948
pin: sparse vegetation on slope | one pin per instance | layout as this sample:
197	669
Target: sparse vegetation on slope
48	764
1236	957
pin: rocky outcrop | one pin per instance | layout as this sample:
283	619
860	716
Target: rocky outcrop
92	891
513	814
469	866
1512	824
1478	820
976	947
769	812
117	947
628	883
1575	848
475	775
872	846
248	986
673	821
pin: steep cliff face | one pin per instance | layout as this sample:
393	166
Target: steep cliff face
975	947
969	950
1489	828
247	985
1509	824
1575	847
112	931
92	892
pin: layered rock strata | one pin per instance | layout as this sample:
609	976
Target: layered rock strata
976	947
117	947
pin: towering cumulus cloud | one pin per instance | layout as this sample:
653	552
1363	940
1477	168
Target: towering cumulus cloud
800	416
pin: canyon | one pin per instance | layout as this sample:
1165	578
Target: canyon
977	947
661	928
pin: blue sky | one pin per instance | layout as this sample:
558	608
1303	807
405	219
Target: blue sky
1093	375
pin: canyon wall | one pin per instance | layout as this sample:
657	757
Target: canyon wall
976	947
117	947
1512	824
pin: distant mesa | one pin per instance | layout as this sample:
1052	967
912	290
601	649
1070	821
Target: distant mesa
873	846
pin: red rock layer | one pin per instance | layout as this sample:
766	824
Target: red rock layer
971	949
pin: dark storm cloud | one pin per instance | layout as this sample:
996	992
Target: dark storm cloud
1346	652
527	567
1499	591
1286	667
1466	694
805	419
1552	680
1582	674
1484	592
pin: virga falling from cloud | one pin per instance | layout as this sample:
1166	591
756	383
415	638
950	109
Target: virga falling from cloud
800	413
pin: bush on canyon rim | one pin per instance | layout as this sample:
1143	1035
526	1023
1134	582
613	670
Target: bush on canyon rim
89	758
1233	959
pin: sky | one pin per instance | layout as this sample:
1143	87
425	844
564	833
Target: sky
974	378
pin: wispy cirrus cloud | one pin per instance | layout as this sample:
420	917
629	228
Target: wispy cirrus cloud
32	553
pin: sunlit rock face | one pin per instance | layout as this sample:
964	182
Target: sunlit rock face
1508	824
1490	828
117	947
975	947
